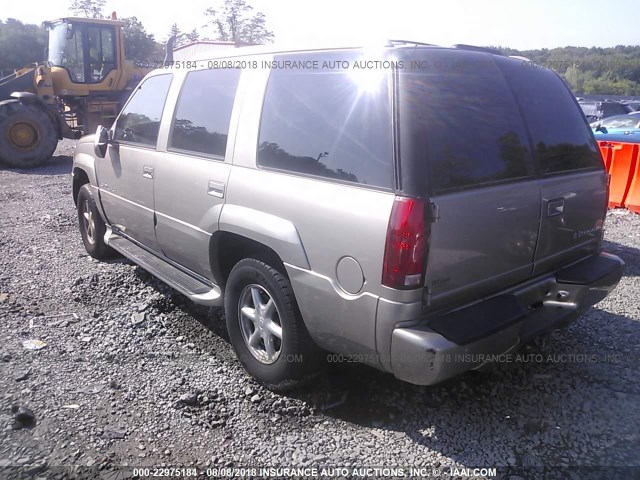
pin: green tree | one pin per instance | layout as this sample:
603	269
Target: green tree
88	8
235	21
175	30
138	44
193	36
20	45
595	70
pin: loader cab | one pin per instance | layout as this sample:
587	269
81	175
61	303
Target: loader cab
89	50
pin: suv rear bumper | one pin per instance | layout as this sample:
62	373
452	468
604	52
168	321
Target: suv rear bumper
439	348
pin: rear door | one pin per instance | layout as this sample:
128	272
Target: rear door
191	176
461	130
573	183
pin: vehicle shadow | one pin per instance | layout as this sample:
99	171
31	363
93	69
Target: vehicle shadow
57	165
630	255
532	410
212	318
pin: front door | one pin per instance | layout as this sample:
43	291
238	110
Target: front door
126	174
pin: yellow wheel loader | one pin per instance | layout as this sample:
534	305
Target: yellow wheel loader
84	82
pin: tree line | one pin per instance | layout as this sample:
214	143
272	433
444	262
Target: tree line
230	20
588	71
591	71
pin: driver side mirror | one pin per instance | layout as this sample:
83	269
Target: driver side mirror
101	141
600	128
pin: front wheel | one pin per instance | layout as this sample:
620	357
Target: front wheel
28	136
92	227
266	328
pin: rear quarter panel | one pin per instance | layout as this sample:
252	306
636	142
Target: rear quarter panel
333	221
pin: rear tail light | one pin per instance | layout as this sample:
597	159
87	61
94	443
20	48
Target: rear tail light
407	244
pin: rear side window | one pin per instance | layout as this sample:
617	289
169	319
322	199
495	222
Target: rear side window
139	121
327	120
461	121
203	111
561	138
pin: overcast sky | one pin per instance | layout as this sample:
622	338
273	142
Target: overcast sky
518	24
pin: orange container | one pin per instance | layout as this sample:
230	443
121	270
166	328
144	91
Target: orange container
632	200
607	153
621	161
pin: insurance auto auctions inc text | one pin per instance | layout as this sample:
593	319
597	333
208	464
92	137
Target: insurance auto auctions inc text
353	472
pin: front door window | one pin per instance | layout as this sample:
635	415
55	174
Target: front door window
72	57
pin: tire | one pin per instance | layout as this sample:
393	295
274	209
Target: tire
92	226
28	136
295	358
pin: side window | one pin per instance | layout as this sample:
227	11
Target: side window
72	57
139	122
203	112
462	121
101	52
330	122
561	138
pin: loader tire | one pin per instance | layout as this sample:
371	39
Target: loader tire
28	136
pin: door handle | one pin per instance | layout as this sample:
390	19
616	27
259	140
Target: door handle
215	189
555	207
147	172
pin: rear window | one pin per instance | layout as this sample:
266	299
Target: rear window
323	118
561	138
459	118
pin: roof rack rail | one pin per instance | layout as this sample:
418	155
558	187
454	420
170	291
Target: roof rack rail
474	48
392	43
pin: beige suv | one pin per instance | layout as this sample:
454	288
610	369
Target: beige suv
414	207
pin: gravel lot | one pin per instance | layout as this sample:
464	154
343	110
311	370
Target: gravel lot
134	374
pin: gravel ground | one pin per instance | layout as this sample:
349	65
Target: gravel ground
134	374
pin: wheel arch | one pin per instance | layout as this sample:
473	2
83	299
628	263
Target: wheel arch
248	233
83	172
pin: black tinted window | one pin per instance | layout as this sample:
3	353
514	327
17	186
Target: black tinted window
330	122
461	121
561	138
201	122
139	122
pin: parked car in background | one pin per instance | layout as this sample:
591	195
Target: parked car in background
417	220
617	123
635	106
598	110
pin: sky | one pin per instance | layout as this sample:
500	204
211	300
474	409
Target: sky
520	24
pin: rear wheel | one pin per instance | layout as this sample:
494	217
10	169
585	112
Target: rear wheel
266	328
28	136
